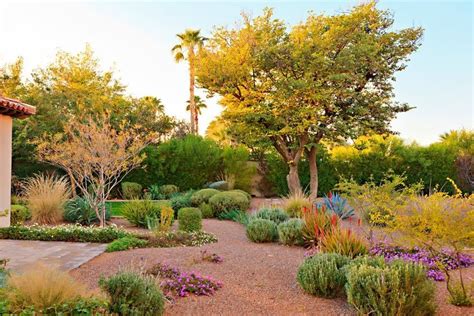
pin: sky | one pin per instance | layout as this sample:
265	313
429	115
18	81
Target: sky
134	39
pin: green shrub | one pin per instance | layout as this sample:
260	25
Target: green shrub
401	288
180	200
138	211
274	214
236	167
206	210
79	211
180	238
133	294
291	232
262	230
457	295
190	219
168	190
126	243
235	216
131	190
227	201
19	214
203	196
322	275
249	197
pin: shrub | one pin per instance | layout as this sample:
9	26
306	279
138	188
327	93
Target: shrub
46	197
262	230
338	205
290	232
154	193
203	196
344	242
227	201
42	288
249	197
19	214
137	211
318	223
131	190
461	297
125	243
206	210
398	289
72	233
190	219
168	190
166	218
276	215
133	294
235	216
180	200
295	203
180	238
79	211
322	275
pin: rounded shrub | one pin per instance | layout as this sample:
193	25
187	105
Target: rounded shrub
180	200
274	214
190	219
249	197
133	294
203	196
168	190
138	212
126	243
206	210
131	190
228	201
19	214
262	230
322	275
291	232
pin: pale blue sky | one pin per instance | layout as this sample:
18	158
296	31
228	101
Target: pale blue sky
135	38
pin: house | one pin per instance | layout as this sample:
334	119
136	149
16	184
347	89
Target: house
9	109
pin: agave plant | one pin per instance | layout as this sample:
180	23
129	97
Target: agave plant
338	205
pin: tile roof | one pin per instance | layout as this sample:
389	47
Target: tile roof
15	108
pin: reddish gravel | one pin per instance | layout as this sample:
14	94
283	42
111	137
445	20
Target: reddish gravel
258	278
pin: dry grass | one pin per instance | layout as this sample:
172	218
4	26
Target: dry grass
43	287
46	197
295	202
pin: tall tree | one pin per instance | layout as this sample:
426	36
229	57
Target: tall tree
198	106
329	77
190	42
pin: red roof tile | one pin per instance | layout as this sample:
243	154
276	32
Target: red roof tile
15	108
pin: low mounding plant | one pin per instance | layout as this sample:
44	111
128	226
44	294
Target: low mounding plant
180	200
206	210
168	190
19	214
317	223
338	205
276	215
46	196
322	275
203	196
262	230
235	216
131	190
126	243
295	203
78	210
344	242
291	232
397	289
249	197
137	211
190	219
133	294
180	238
227	201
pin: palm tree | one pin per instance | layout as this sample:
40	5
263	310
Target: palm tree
198	105
186	50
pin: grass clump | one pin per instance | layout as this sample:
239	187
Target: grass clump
295	203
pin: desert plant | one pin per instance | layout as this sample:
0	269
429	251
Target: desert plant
291	232
203	196
295	203
180	238
344	242
131	190
397	289
227	201
249	197
262	230
133	294
274	214
317	223
460	295
126	243
46	197
180	200
166	218
137	211
190	219
338	205
206	210
78	210
235	216
155	192
168	190
322	275
19	214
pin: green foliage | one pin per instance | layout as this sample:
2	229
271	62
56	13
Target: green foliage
460	296
322	275
125	243
227	201
290	232
398	289
180	238
78	210
237	170
137	211
249	197
190	219
203	196
19	214
262	230
206	210
131	190
168	190
235	216
276	215
133	294
180	200
294	204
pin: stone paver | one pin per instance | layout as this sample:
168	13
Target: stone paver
62	255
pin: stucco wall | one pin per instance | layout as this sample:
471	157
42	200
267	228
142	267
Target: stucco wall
5	168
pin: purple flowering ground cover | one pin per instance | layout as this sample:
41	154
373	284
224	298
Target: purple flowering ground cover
423	256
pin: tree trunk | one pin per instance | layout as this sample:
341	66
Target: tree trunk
311	155
73	183
293	179
192	104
